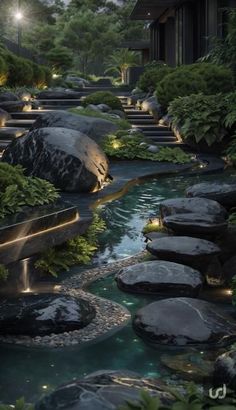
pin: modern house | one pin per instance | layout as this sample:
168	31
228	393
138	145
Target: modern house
180	31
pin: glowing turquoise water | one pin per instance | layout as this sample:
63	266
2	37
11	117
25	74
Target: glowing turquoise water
31	372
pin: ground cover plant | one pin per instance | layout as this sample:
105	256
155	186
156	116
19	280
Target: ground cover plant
18	190
103	97
133	147
79	250
121	123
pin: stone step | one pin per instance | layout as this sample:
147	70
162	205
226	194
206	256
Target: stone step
19	123
161	138
60	102
9	133
158	132
28	115
142	122
132	117
128	107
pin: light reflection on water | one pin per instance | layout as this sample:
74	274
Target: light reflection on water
26	371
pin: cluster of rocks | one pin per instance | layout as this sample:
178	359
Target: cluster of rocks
196	239
63	148
10	102
146	102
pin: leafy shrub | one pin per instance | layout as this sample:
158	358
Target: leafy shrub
39	77
19	405
3	71
48	75
17	190
128	147
218	79
180	83
76	251
3	273
121	123
103	97
152	76
199	117
232	218
20	71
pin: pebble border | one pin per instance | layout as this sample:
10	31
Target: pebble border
110	316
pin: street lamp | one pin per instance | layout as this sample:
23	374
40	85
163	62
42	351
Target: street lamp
19	17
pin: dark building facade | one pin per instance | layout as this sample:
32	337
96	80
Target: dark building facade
180	31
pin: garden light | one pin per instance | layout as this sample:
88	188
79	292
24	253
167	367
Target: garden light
19	15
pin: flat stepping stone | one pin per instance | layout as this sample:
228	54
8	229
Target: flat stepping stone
160	277
194	252
225	194
192	205
190	224
43	314
184	322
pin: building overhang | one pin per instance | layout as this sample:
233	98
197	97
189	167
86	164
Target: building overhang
152	9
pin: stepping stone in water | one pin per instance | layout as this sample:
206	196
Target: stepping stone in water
33	314
192	205
193	223
225	194
194	252
184	322
160	277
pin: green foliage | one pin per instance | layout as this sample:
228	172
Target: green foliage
121	123
20	71
119	62
128	147
199	117
218	79
17	190
192	399
76	251
103	97
19	405
4	273
153	227
152	75
3	71
60	58
180	83
39	77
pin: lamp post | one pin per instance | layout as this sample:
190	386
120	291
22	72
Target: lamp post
19	16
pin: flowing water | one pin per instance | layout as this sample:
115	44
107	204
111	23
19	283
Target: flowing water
31	372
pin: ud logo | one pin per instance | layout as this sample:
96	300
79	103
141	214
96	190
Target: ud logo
218	394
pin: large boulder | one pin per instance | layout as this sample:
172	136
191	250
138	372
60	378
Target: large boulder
13	106
33	314
95	128
194	252
67	158
225	194
192	205
103	390
184	321
195	224
225	370
160	277
153	107
4	116
58	95
8	96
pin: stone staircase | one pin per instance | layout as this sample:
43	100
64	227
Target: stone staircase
154	133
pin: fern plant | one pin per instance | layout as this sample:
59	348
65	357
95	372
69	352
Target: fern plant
79	250
17	190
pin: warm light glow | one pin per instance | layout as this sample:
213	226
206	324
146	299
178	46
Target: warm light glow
229	292
44	387
55	76
116	144
19	15
33	235
155	221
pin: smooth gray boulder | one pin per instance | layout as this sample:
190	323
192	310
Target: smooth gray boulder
95	128
13	106
160	277
67	158
195	224
184	322
102	390
153	107
58	95
192	205
193	252
43	314
8	96
225	370
225	194
4	116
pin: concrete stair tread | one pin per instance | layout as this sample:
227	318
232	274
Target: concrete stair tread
19	123
13	132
